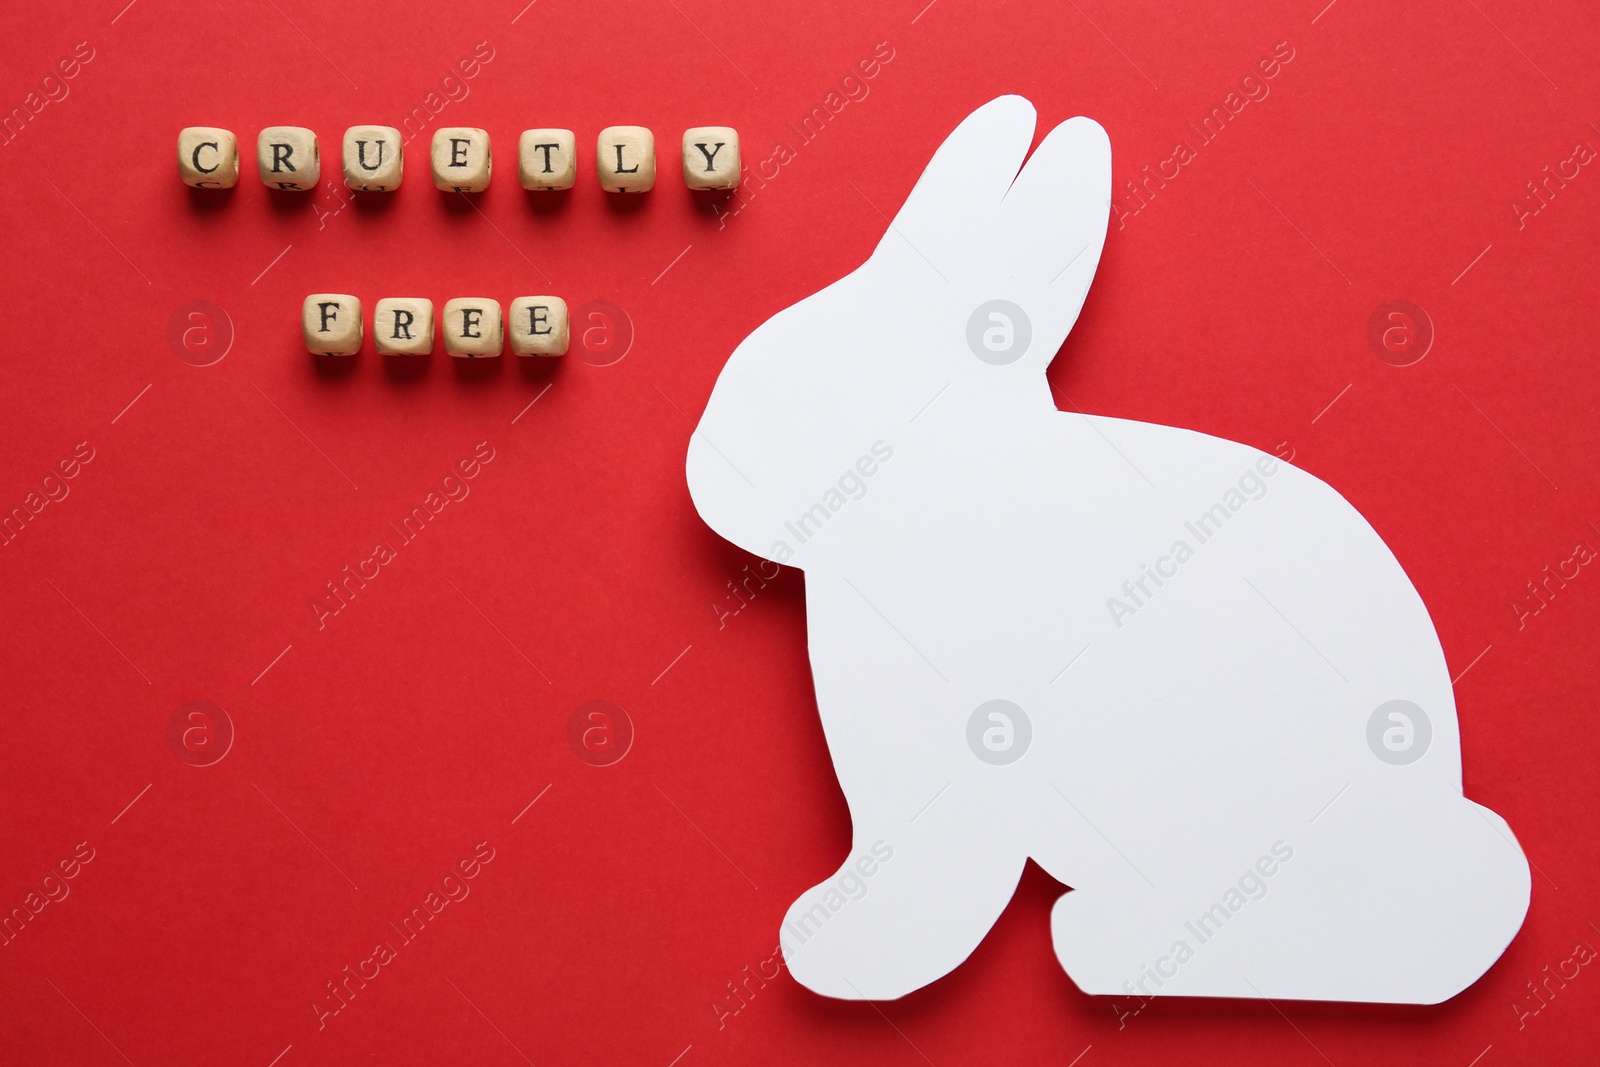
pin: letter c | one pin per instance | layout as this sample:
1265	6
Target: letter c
194	157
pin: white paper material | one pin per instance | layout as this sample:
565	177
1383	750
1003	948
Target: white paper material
1187	678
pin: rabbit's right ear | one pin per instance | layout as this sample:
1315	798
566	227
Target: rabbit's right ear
989	232
967	178
1054	226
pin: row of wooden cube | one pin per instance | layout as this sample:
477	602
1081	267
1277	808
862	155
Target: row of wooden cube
287	157
473	327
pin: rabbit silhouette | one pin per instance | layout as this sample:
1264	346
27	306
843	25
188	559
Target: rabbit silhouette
1185	677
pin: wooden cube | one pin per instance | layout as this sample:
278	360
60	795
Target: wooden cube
374	160
538	326
626	159
287	157
208	157
331	323
547	159
711	157
472	327
403	326
461	161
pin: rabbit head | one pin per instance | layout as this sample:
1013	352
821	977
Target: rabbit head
966	298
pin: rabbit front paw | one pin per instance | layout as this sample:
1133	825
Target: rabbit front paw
894	918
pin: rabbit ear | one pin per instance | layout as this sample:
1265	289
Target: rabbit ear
1054	225
968	176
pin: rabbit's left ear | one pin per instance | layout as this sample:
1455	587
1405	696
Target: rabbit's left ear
950	215
1053	225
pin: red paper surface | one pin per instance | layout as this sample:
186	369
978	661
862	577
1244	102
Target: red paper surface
374	749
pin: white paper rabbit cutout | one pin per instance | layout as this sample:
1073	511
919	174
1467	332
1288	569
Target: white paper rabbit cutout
1227	721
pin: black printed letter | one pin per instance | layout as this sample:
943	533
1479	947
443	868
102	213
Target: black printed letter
361	156
711	155
195	158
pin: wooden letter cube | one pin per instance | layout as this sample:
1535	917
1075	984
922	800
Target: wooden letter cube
711	157
332	324
403	326
373	158
287	157
539	326
461	160
547	159
626	159
208	157
472	327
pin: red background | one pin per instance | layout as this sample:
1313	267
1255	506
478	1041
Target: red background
377	751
